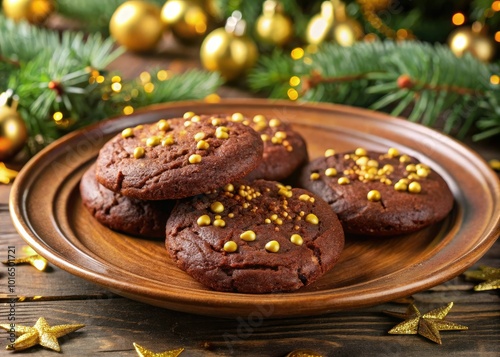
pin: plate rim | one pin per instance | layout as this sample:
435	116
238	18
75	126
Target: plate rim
123	289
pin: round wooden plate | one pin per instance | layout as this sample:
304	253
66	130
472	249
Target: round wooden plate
48	213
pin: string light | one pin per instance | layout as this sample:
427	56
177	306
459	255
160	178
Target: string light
297	53
212	98
292	94
145	77
497	36
294	81
495	6
128	110
162	75
458	19
495	79
149	87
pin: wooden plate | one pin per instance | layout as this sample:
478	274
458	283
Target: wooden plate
47	211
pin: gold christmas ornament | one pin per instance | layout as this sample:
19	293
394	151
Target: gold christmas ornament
472	40
33	11
273	26
186	18
320	25
142	352
427	325
40	334
13	132
137	25
228	50
490	277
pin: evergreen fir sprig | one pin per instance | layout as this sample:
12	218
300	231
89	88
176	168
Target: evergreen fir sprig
427	83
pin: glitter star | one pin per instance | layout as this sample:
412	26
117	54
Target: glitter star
142	352
427	325
41	334
6	175
490	276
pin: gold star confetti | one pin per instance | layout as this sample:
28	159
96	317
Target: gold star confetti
142	352
41	334
6	175
490	276
304	353
427	325
33	258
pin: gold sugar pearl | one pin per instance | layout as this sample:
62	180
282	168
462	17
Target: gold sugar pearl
274	217
259	118
127	133
222	132
413	176
362	161
248	236
280	134
231	215
153	141
283	191
267	220
219	223
188	115
329	152
273	123
168	141
343	181
422	172
404	159
278	221
314	176
312	218
202	145
372	163
373	196
388	168
411	168
195	119
237	117
229	187
163	125
414	187
187	123
400	186
217	207
289	148
139	152
230	247
330	172
216	121
360	152
304	197
272	246
199	136
275	140
204	220
393	152
265	137
296	239
194	159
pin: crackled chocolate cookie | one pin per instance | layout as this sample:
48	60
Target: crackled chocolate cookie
129	215
257	237
378	193
179	157
284	149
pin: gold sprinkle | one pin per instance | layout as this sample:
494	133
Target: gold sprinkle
273	123
373	196
229	187
329	152
195	119
216	121
411	168
343	181
304	197
231	215
289	148
302	213
139	152
330	172
153	141
274	217
278	221
400	186
237	117
360	152
265	137
187	123
422	172
202	145
267	220
372	163
422	166
219	223
199	136
312	218
188	115
217	207
388	168
163	125
221	132
218	216
362	161
314	176
230	247
392	152
194	159
246	205
283	191
203	220
272	246
259	118
414	187
248	236
276	140
296	239
168	141
347	156
139	127
127	133
404	159
413	176
280	134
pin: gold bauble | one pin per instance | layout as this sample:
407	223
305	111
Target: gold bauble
137	25
13	132
319	27
274	27
465	39
347	32
186	18
34	11
228	50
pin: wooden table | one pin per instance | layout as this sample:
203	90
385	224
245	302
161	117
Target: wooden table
113	323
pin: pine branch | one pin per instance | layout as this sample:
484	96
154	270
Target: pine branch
421	81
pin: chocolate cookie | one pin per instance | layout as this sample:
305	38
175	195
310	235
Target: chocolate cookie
136	217
179	157
284	149
379	193
257	237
